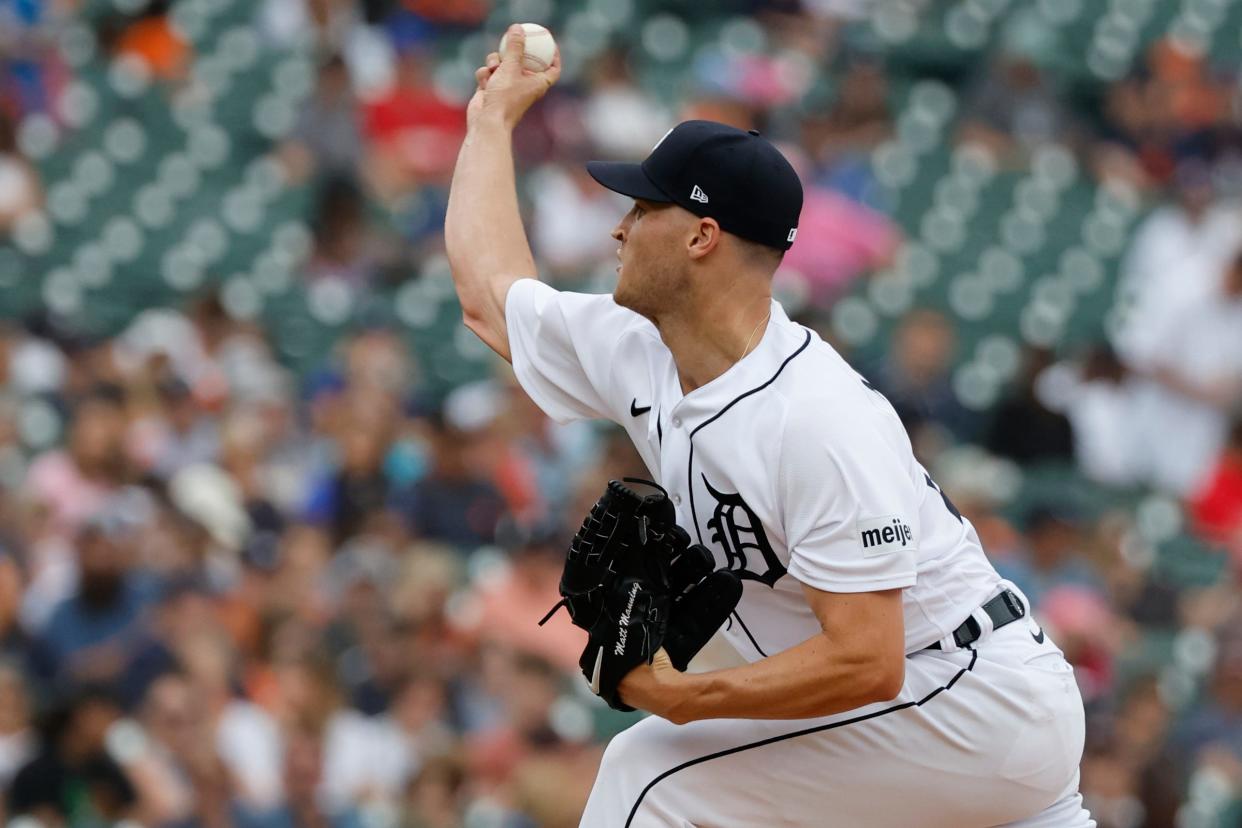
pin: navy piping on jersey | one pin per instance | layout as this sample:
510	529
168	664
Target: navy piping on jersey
746	630
690	462
974	656
719	414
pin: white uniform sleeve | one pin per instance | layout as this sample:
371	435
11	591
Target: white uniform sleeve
850	509
563	347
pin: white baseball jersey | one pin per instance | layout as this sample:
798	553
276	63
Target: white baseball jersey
792	470
788	466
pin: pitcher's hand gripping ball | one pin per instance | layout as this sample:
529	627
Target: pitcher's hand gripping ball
540	47
634	582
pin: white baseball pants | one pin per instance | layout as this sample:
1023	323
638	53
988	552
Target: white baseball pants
990	736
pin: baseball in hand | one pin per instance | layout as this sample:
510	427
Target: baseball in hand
540	47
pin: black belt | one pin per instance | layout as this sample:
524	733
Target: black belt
1003	609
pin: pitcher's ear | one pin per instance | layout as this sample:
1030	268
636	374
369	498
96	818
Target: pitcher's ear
705	238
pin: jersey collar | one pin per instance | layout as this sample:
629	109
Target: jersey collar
781	339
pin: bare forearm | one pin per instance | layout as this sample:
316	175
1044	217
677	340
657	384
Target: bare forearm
486	243
812	679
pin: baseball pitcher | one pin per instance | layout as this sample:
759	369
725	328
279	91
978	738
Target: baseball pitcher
891	678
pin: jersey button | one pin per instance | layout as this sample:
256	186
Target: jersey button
676	499
677	422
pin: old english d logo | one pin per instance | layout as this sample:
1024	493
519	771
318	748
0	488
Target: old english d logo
738	529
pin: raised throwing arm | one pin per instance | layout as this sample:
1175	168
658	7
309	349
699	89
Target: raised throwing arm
486	243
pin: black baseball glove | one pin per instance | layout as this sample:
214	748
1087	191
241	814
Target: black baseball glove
634	582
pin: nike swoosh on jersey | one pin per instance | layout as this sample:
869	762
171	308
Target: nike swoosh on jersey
635	411
599	663
1039	639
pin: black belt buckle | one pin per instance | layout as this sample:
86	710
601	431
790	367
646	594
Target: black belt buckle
1003	609
1013	604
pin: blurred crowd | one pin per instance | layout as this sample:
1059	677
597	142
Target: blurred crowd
233	594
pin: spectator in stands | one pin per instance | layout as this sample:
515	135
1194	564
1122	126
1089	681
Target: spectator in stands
915	377
90	634
327	139
839	238
573	221
21	193
356	488
1079	618
1189	386
179	763
621	118
1187	103
546	458
342	242
325	24
30	70
436	796
73	780
1174	262
505	607
1217	505
1053	554
1172	111
525	688
335	757
1120	150
245	735
189	435
76	482
1211	734
454	503
1015	107
359	582
304	772
1129	776
1095	395
153	39
1023	427
1110	789
20	652
420	713
413	131
18	739
840	143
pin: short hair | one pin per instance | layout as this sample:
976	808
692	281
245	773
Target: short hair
760	254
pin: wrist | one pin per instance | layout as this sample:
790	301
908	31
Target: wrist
490	122
679	693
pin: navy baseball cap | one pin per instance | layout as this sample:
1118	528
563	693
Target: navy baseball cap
716	171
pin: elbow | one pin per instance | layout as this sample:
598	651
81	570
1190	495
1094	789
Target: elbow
889	676
493	334
479	325
475	310
473	320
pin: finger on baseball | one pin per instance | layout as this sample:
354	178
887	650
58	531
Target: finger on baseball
554	70
493	60
481	75
515	45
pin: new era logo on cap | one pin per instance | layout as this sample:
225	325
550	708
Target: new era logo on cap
698	195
